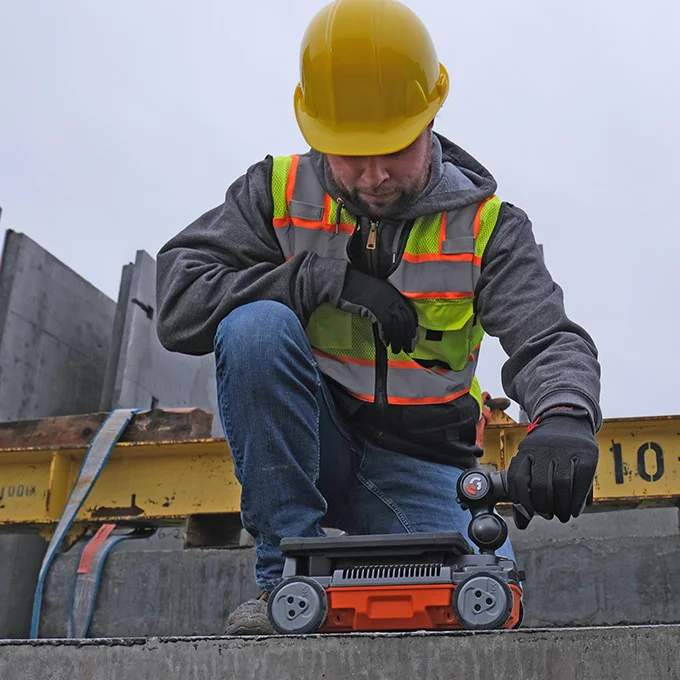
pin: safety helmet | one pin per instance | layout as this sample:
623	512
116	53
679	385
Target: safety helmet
370	80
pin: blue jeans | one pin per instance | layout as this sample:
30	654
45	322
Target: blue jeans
299	465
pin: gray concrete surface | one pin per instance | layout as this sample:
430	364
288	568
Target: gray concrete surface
622	524
55	330
20	558
154	587
140	372
602	581
570	654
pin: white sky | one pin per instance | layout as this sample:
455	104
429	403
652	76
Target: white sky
121	122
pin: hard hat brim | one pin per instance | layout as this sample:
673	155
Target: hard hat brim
360	141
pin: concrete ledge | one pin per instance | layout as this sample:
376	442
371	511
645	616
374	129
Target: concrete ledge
152	587
626	653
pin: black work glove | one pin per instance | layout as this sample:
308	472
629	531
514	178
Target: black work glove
552	473
384	305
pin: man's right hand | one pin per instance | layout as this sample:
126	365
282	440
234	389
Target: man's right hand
381	302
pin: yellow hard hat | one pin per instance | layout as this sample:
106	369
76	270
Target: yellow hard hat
370	80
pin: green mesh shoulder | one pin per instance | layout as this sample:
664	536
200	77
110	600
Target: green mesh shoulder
487	220
424	236
345	217
280	172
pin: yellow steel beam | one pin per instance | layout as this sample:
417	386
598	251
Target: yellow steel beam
157	482
164	482
639	459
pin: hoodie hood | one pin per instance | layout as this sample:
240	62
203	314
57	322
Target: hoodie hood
456	180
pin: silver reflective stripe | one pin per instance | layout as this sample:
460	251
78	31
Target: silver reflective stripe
355	378
425	384
286	235
460	231
308	204
305	239
437	277
444	276
308	194
324	244
458	245
305	211
402	383
461	223
475	276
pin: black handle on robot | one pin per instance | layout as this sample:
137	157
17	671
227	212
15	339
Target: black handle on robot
478	492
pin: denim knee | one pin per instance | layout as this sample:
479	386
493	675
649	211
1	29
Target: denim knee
254	331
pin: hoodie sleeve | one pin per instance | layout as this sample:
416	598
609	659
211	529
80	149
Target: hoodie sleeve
230	256
551	360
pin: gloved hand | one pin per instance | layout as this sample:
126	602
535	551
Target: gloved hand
552	473
383	304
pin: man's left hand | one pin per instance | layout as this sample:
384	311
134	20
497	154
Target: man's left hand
553	471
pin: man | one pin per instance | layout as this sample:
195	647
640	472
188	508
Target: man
345	293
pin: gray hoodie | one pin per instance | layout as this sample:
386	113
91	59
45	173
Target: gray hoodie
230	256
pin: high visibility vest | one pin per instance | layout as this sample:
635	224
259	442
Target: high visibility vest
438	272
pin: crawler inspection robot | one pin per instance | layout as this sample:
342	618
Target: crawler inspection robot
427	581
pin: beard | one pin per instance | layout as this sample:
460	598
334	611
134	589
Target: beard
393	207
389	209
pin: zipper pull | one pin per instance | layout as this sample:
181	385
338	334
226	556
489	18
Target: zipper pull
372	240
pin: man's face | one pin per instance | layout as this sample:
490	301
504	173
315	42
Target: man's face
381	186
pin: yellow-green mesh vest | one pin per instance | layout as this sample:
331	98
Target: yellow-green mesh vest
438	272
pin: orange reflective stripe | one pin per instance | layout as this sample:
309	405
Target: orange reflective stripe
441	257
471	356
394	363
419	386
478	216
279	222
292	174
327	208
403	401
436	294
445	257
321	226
442	230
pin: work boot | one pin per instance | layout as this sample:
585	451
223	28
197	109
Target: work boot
250	618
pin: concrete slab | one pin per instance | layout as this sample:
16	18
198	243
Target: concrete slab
154	587
21	555
55	330
586	654
141	373
604	524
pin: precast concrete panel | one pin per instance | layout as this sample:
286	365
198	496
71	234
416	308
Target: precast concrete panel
55	330
145	374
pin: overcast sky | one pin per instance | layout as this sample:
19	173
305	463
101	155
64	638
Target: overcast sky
121	122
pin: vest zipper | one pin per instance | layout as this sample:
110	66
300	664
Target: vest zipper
372	240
